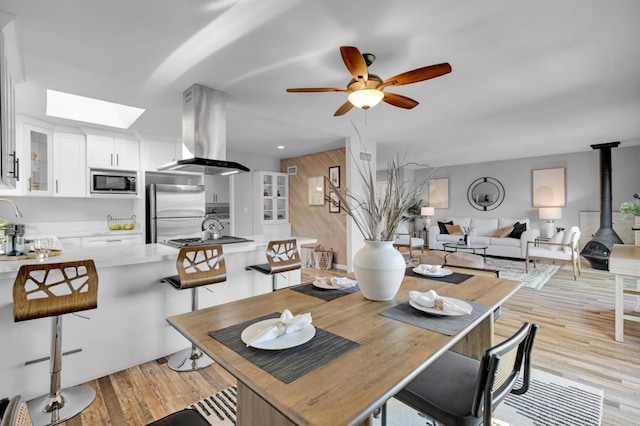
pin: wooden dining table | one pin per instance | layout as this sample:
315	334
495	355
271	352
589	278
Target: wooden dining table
386	353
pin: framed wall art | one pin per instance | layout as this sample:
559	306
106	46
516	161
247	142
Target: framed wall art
548	187
316	191
334	175
439	193
334	203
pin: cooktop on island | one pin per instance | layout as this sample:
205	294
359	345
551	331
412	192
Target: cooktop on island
184	242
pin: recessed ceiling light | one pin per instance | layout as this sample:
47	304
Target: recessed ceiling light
89	110
280	147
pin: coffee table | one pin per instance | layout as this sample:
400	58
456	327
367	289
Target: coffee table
472	247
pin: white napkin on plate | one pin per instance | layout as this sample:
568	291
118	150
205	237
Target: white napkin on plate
430	299
288	324
432	269
343	282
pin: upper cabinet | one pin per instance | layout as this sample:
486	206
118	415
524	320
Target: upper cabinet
272	197
217	188
69	165
158	154
107	152
10	73
37	142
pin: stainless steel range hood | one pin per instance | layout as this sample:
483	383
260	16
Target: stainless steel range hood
204	133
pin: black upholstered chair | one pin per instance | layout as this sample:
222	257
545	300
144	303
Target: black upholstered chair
282	256
458	390
186	417
197	266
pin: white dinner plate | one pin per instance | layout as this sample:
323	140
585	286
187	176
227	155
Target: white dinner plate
286	341
327	284
444	312
441	273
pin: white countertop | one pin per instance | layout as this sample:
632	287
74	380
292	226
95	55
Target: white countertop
131	254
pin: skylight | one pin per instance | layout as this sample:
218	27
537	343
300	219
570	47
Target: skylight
89	110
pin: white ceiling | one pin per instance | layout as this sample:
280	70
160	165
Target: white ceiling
529	77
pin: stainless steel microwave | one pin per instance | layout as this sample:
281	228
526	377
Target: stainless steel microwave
112	182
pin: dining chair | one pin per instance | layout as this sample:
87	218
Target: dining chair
404	239
186	417
282	256
565	251
197	266
52	290
458	390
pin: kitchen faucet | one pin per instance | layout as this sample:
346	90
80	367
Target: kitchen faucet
15	207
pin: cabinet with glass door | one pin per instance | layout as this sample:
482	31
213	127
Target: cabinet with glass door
272	199
37	145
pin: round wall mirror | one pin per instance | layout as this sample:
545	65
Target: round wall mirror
485	193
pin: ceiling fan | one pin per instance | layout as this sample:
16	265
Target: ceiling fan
366	90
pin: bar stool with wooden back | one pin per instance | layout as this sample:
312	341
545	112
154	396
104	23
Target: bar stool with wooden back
197	266
282	256
52	290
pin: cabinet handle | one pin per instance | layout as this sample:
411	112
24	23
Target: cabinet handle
29	184
118	160
111	160
16	166
57	188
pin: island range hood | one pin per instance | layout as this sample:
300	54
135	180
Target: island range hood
204	134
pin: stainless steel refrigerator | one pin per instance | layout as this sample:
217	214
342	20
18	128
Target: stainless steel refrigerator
174	211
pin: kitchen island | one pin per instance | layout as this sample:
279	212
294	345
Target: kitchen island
128	327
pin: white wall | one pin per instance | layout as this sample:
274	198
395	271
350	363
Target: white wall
582	184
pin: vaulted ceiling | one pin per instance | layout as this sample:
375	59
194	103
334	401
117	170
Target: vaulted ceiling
529	77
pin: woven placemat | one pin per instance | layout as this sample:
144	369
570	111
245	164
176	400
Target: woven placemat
454	278
290	364
448	325
324	294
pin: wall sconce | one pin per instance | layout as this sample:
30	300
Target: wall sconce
427	212
550	214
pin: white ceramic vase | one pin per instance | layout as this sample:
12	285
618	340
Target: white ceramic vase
379	269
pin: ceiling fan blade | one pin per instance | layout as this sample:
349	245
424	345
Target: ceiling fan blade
399	100
317	89
345	108
354	62
419	74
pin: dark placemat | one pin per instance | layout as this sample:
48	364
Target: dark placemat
455	278
324	294
286	365
448	325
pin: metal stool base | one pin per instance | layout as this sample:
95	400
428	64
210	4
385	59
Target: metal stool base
75	398
189	359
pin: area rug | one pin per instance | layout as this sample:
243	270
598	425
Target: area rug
515	270
550	401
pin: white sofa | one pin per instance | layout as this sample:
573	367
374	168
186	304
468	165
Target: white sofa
484	229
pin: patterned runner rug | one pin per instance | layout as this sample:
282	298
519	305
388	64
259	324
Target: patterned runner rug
515	270
550	401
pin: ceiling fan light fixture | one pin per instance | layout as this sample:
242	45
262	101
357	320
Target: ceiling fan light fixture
365	98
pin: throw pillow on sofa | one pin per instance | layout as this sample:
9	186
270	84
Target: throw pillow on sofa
518	229
454	229
443	227
503	232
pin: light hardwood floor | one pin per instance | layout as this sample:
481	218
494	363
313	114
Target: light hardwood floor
575	341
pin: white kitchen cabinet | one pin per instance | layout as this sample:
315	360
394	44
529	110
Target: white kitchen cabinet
69	165
70	243
37	146
108	152
271	204
217	188
110	240
158	154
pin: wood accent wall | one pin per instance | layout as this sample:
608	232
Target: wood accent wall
316	221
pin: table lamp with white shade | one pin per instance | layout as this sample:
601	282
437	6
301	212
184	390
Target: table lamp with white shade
550	214
427	212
